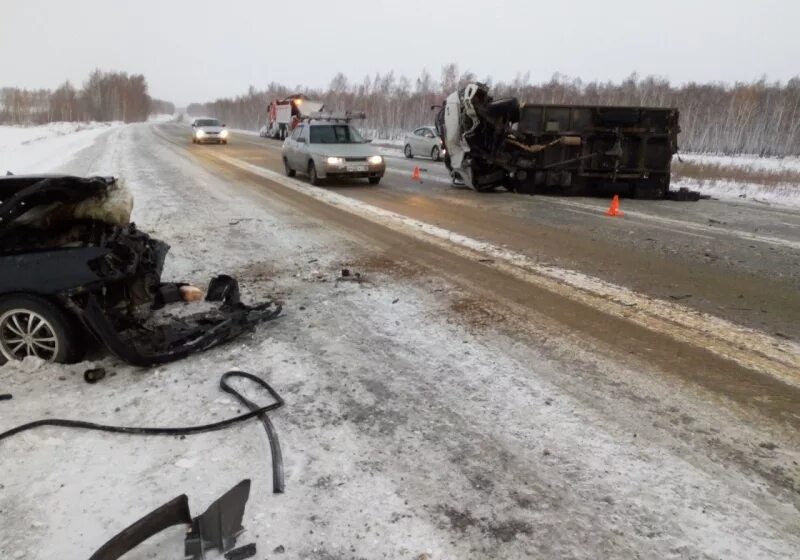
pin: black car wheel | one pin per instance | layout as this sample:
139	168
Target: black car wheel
289	171
407	151
33	326
374	180
312	174
435	153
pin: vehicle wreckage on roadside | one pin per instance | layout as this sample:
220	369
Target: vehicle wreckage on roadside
567	149
73	267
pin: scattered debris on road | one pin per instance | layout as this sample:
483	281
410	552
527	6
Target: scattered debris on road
93	375
348	276
246	551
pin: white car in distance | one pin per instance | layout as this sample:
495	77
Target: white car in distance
424	141
209	131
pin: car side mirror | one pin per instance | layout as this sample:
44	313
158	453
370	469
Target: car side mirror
368	141
194	125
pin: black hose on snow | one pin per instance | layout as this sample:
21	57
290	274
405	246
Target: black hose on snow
255	411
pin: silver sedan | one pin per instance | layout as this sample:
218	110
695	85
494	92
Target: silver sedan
423	142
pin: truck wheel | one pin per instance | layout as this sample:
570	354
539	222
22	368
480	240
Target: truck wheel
435	153
289	171
407	151
33	326
312	174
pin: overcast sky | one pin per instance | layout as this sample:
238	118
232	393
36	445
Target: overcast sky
197	50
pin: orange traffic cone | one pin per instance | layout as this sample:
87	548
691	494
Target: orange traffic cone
415	174
614	210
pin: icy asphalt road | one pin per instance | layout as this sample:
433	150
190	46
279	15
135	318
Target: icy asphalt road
734	260
424	413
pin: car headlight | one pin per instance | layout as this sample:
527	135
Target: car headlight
335	161
223	134
375	160
200	133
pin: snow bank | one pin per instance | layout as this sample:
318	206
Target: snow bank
751	162
782	195
765	180
37	149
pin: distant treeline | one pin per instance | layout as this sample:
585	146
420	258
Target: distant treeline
105	96
756	118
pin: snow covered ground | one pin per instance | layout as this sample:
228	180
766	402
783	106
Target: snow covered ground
36	149
759	179
418	419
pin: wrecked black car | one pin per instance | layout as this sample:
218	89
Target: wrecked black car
74	268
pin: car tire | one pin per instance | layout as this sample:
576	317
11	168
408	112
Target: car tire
312	174
407	151
21	311
435	153
374	180
194	140
289	171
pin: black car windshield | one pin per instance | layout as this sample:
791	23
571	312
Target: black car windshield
335	134
207	122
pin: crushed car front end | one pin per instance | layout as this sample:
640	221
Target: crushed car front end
74	265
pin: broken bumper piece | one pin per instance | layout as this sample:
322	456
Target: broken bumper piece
143	344
217	528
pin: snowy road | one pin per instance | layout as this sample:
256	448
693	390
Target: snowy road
442	406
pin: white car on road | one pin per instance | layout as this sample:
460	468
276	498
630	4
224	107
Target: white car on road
206	131
424	141
331	149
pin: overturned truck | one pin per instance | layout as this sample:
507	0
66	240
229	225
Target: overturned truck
73	268
567	149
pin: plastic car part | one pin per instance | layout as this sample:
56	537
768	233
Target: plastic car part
174	512
221	523
217	527
177	339
246	551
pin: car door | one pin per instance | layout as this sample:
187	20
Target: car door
301	146
292	147
417	147
428	141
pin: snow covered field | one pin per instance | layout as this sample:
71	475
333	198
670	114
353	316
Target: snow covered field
36	149
741	178
411	425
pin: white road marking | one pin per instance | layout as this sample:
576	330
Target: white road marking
747	347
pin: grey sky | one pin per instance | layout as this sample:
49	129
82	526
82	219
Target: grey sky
196	50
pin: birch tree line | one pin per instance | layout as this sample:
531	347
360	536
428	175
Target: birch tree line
758	117
105	96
